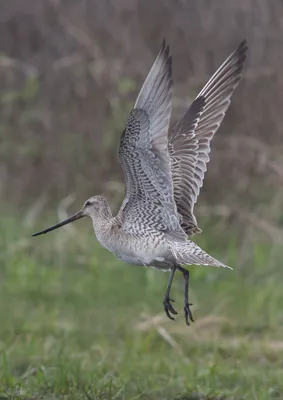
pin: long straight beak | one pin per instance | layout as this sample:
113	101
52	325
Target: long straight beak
74	217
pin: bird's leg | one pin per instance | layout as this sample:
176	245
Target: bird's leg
168	308
188	313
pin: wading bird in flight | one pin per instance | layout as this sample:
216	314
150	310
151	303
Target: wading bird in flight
163	174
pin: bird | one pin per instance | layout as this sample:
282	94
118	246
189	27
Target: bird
163	171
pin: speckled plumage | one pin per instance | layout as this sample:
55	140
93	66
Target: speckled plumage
164	173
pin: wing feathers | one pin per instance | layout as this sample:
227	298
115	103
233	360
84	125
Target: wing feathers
189	142
144	155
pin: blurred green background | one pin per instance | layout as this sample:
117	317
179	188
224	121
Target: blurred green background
76	323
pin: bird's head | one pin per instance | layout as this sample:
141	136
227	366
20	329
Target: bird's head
96	207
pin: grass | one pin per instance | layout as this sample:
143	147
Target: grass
76	323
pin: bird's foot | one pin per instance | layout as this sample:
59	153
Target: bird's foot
188	313
168	308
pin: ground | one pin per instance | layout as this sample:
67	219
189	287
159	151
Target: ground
76	323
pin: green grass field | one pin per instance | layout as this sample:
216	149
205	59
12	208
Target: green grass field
76	323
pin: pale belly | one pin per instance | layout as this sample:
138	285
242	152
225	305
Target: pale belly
157	262
137	252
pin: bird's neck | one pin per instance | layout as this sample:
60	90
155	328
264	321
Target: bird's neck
102	220
105	231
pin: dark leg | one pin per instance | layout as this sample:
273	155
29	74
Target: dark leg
188	313
168	308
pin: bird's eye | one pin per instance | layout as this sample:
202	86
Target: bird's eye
88	203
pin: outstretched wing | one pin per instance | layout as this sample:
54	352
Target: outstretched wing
189	141
143	152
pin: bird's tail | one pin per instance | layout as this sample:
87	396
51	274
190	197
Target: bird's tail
188	253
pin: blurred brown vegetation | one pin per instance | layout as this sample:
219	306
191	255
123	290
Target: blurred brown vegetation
70	72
